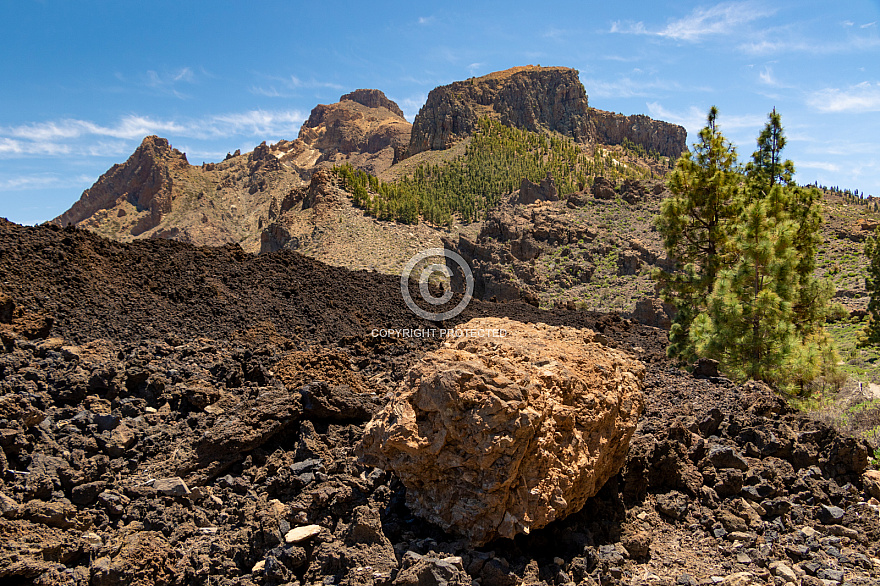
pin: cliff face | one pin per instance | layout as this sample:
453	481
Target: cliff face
667	139
144	181
364	128
535	99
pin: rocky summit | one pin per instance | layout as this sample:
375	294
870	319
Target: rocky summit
508	428
538	99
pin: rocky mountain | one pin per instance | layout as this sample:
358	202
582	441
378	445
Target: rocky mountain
156	193
364	129
536	99
144	181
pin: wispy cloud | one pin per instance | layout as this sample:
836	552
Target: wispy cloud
814	46
473	68
823	165
65	137
721	19
313	83
425	20
163	82
768	77
411	105
288	87
628	87
864	97
694	118
43	181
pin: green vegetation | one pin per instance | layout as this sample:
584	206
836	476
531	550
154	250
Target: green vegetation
495	163
745	240
872	284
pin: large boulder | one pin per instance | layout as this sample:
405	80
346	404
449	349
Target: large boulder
508	426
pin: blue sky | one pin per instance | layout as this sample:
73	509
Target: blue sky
84	82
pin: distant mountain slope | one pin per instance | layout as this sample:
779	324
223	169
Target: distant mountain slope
156	193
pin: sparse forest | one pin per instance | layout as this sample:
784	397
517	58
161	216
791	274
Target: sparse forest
496	161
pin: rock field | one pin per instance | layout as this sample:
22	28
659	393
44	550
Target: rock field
180	415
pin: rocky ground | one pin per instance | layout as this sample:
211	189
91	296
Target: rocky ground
180	415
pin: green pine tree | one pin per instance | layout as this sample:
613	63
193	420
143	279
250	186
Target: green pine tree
748	323
693	223
872	284
753	302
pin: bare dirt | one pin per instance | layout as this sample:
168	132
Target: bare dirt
168	413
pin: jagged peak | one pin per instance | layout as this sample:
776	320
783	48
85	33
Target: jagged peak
372	98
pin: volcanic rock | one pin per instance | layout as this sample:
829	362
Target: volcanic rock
532	192
536	99
364	126
495	436
144	180
533	98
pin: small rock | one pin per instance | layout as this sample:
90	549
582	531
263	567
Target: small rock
727	457
259	566
300	534
114	502
8	507
171	486
830	515
706	368
841	531
685	580
871	481
830	574
781	570
739	579
93	539
637	544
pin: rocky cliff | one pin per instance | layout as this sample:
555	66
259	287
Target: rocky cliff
364	128
144	181
667	139
156	193
536	99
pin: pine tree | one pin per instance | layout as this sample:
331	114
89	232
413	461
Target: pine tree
753	303
693	225
872	284
748	323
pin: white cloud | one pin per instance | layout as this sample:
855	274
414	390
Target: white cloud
474	67
424	20
824	166
312	83
43	181
721	19
811	46
864	97
411	105
627	87
694	119
869	25
71	136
